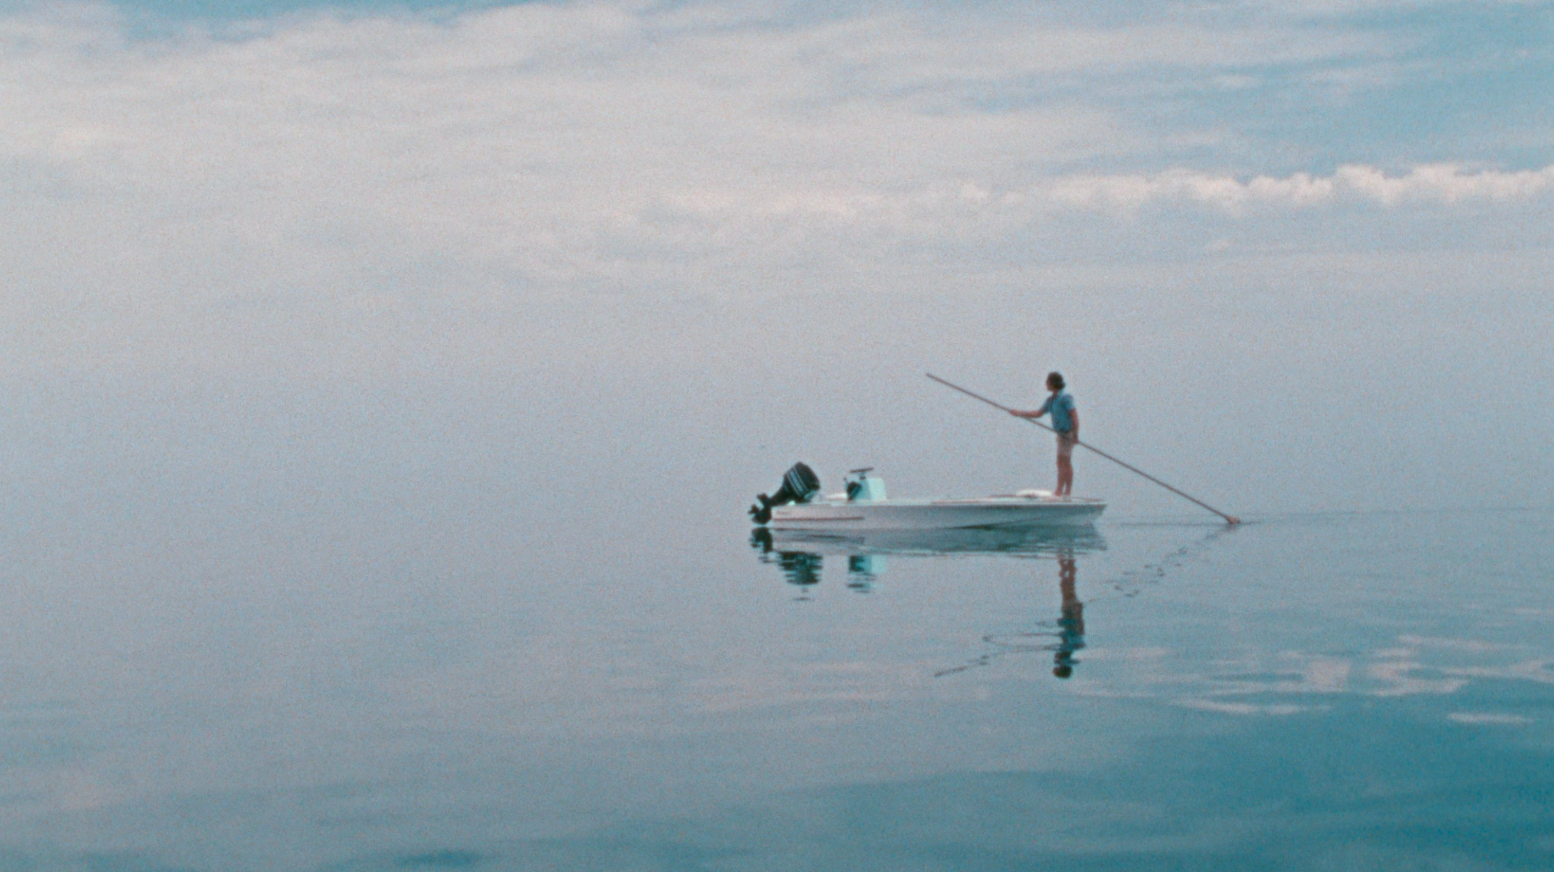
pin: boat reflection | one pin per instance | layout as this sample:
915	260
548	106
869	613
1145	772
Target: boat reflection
800	554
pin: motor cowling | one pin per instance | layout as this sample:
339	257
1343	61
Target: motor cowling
799	484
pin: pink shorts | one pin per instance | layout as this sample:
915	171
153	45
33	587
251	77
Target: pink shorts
1065	446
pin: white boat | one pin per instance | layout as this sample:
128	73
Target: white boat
1037	541
866	507
1014	510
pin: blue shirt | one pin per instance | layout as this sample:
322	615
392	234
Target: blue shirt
1061	405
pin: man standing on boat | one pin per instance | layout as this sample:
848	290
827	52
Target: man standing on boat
1065	420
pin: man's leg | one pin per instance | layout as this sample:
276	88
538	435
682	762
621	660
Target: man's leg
1065	467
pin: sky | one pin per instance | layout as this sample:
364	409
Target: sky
1295	251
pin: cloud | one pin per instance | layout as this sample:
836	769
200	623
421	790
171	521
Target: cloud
532	135
1445	183
320	170
1335	8
505	131
1133	191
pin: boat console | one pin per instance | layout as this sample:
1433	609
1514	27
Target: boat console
861	488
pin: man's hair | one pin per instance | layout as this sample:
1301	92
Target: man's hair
1055	379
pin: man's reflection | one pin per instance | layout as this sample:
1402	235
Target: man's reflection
1071	623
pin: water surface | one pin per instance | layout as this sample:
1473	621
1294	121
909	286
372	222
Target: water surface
1303	692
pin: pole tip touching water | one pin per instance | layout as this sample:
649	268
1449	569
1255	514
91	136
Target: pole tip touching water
1232	520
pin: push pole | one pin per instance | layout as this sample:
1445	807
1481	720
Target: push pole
1229	519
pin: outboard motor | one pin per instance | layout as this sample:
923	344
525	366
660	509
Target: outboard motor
799	483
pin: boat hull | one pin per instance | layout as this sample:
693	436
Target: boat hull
987	512
1014	541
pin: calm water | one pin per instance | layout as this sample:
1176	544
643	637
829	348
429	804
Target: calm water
450	687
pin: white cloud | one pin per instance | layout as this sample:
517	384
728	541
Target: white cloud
1133	191
1445	183
1430	183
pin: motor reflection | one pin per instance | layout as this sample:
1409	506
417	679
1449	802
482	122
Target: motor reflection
800	555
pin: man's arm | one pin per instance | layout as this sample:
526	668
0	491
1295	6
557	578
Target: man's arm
1073	415
1033	413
